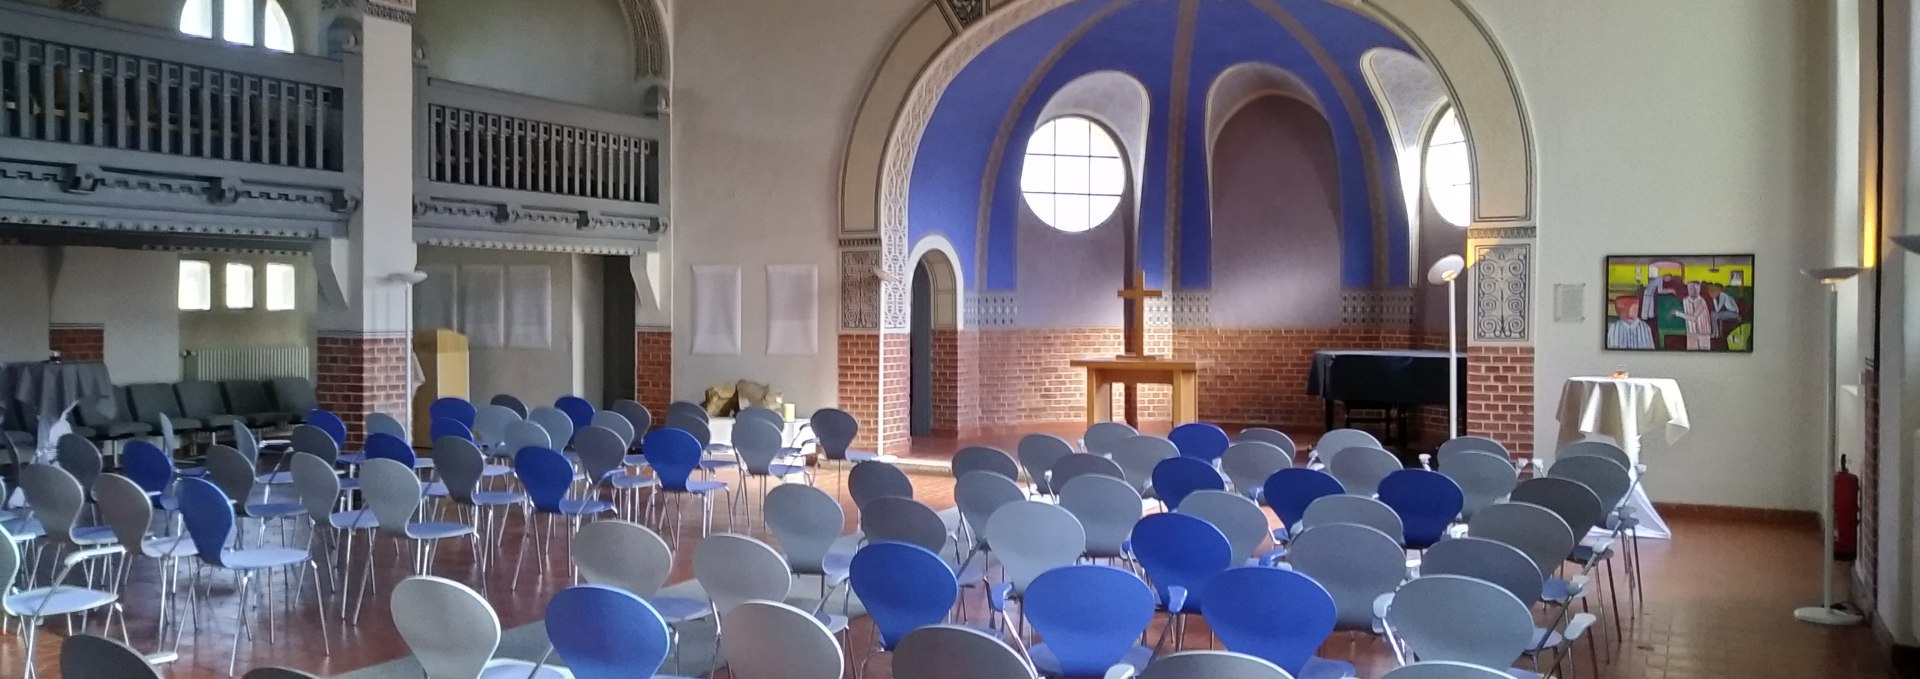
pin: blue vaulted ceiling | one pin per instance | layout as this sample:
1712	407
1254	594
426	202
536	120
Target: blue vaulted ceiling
1140	38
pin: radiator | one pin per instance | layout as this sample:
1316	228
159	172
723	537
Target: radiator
254	363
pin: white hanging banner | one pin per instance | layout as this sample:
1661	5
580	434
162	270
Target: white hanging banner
529	306
716	310
483	305
793	310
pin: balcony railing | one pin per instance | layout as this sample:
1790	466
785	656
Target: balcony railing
497	140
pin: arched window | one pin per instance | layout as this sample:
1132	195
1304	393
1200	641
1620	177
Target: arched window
1073	174
1450	171
236	22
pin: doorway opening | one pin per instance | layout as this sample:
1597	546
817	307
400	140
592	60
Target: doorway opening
932	385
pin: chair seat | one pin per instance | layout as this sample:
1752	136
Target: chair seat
57	600
780	471
352	458
1322	668
698	487
492	498
24	530
1554	590
186	424
164	548
274	510
435	489
354	519
192	472
257	559
275	479
495	470
423	463
258	420
1544	638
835	624
223	421
437	530
93	535
634	460
519	669
119	430
711	465
1584	553
584	507
1049	665
861	455
681	609
625	481
88	433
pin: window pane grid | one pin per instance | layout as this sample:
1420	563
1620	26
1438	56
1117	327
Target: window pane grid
1072	176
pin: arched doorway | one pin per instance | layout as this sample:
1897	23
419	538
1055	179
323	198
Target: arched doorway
932	348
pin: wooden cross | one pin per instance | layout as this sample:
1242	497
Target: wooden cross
1135	318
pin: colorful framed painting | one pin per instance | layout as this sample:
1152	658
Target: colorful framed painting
1698	303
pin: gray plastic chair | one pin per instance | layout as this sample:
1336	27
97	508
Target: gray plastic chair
771	640
903	519
1360	469
460	465
200	399
453	632
1038	453
762	414
986	459
523	434
34	605
1606	478
80	458
1534	530
56	499
955	652
978	494
1137	457
806	522
236	476
1576	504
87	655
1355	563
603	457
1462	619
558	424
510	402
490	423
1103	437
1212	665
128	510
1596	448
1484	479
632	557
313	440
1080	464
1237	517
618	424
1442	669
1365	511
1107	509
382	423
759	444
874	479
1489	560
1247	465
685	409
636	414
1276	437
1031	538
315	482
735	569
393	492
1463	444
1341	439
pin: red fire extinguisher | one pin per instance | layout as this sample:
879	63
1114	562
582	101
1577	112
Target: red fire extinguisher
1846	513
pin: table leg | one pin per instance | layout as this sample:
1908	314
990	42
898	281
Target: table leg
1186	404
1096	396
1329	419
1131	408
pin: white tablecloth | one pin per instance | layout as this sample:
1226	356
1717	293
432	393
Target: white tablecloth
722	430
1625	411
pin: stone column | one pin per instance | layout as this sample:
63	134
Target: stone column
1499	295
363	323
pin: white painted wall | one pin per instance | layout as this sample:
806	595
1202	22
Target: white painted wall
577	51
221	328
764	95
1686	128
25	305
537	376
131	293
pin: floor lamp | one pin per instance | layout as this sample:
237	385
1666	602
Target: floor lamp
1826	613
1446	271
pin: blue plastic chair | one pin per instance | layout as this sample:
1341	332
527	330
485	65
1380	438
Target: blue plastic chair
1181	554
607	633
1089	617
390	447
453	408
444	427
578	409
546	475
208	516
151	469
674	454
1202	441
1426	501
1279	616
330	423
1289	491
1175	478
904	587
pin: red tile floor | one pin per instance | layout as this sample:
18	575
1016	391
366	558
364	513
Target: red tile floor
1719	604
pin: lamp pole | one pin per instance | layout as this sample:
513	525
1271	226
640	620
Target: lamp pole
1447	271
1825	613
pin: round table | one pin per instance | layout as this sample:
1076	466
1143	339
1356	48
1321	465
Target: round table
1624	411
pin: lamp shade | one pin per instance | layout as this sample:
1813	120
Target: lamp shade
1447	269
1911	242
1832	275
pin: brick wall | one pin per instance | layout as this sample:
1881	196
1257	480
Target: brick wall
1866	568
956	383
859	392
1500	395
653	370
1025	378
357	374
78	342
895	352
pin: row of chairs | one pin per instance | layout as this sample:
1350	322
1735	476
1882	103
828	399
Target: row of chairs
193	407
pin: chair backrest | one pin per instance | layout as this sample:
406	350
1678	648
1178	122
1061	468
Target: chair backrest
1180	550
1427	503
125	508
1237	517
55	497
1576	504
208	516
735	569
1107	509
147	465
317	486
1444	669
1462	444
899	519
601	451
1200	440
510	402
1361	469
1177	477
382	423
490	423
294	395
636	414
1354	509
1604	477
245	442
1337	440
622	554
771	640
1596	448
9	556
330	423
1276	437
1484	479
453	408
1081	464
1248	464
956	652
522	434
986	459
392	491
805	521
1276	615
1454	617
1138	456
1030	538
617	423
833	430
873	479
459	464
1535	530
904	587
762	414
605	633
673	454
1494	562
311	439
1355	563
978	494
81	458
86	655
577	409
1090	616
451	630
1038	453
444	427
153	400
1212	665
231	471
684	408
1102	437
758	443
558	424
700	429
545	474
389	447
247	397
1289	492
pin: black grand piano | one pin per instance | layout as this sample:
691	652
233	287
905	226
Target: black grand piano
1395	381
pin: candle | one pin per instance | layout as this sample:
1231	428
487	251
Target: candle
788	411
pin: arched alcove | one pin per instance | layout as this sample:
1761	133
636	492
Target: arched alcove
933	346
1276	218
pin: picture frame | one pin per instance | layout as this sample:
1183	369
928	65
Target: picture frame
1678	303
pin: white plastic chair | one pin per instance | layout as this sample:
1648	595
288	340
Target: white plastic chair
1484	479
1107	509
634	558
1137	457
1357	564
1038	453
1354	509
1030	538
453	632
1276	437
771	640
1247	465
1237	517
1103	437
1360	469
1209	665
955	652
1341	439
806	521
